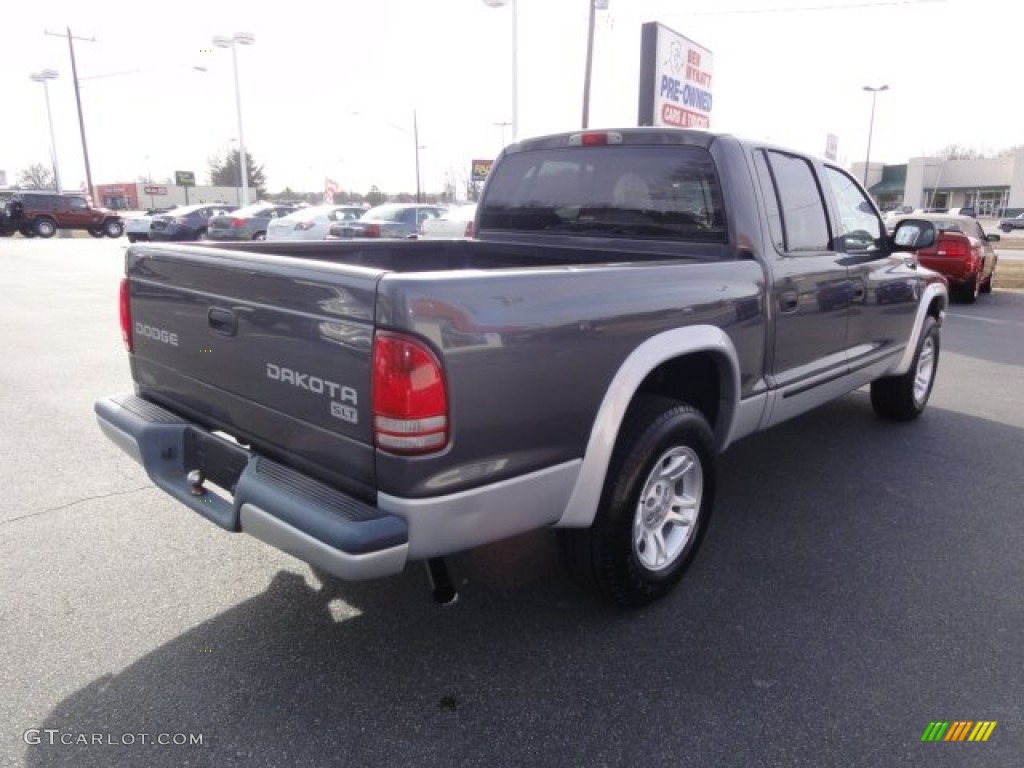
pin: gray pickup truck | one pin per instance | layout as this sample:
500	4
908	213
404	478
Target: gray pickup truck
634	301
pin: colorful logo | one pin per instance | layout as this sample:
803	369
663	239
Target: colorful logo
958	730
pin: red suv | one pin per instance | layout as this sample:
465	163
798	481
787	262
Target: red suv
43	213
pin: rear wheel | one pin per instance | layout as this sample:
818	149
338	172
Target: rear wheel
1006	228
986	285
96	232
27	232
903	398
132	238
968	292
45	227
260	236
654	507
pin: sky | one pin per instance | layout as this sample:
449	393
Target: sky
329	89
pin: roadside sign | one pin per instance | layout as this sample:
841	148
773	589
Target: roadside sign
185	178
480	169
153	189
675	79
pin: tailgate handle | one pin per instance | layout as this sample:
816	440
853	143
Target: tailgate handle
223	321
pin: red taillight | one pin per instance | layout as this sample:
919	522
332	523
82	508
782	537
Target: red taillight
410	402
469	229
126	316
594	139
238	222
954	246
371	230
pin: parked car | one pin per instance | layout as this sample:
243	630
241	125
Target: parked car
389	220
311	223
962	253
1017	222
190	222
44	213
963	211
456	222
136	228
250	222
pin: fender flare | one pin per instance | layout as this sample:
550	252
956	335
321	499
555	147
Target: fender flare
586	494
930	293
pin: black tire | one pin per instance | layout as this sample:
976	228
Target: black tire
612	556
260	236
45	228
96	232
903	398
1006	228
113	228
132	238
968	293
986	286
27	231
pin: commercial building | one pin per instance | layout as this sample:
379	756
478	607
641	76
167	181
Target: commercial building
138	195
992	186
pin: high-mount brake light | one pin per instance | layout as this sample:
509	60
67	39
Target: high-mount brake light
126	316
410	399
595	139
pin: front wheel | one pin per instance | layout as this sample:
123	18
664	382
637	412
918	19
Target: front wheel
113	228
903	398
45	228
654	507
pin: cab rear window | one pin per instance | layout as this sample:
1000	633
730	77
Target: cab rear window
617	191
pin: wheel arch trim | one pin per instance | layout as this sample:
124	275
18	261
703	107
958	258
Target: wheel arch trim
680	342
930	294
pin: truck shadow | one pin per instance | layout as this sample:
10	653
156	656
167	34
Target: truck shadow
811	595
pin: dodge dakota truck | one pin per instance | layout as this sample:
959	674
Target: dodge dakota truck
633	302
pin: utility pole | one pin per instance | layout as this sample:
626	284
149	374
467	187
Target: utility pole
78	100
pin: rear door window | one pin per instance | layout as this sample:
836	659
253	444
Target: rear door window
620	191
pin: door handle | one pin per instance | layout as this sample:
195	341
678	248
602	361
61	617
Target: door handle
222	321
788	301
860	293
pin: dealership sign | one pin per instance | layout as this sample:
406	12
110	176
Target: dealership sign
154	189
675	79
480	169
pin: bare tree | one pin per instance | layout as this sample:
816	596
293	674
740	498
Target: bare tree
36	176
960	152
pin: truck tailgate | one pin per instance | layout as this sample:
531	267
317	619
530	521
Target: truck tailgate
273	351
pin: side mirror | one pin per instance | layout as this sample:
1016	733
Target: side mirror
912	235
993	238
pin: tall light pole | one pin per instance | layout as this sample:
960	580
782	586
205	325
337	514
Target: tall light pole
874	91
595	6
44	76
416	144
239	38
515	58
78	101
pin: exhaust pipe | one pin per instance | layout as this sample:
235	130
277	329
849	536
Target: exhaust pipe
441	587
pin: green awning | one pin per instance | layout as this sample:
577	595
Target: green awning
887	188
894	179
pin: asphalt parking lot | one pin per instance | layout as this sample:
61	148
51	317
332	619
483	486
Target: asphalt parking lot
860	580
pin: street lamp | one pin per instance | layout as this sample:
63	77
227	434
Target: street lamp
871	126
515	58
239	38
44	76
416	144
595	6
